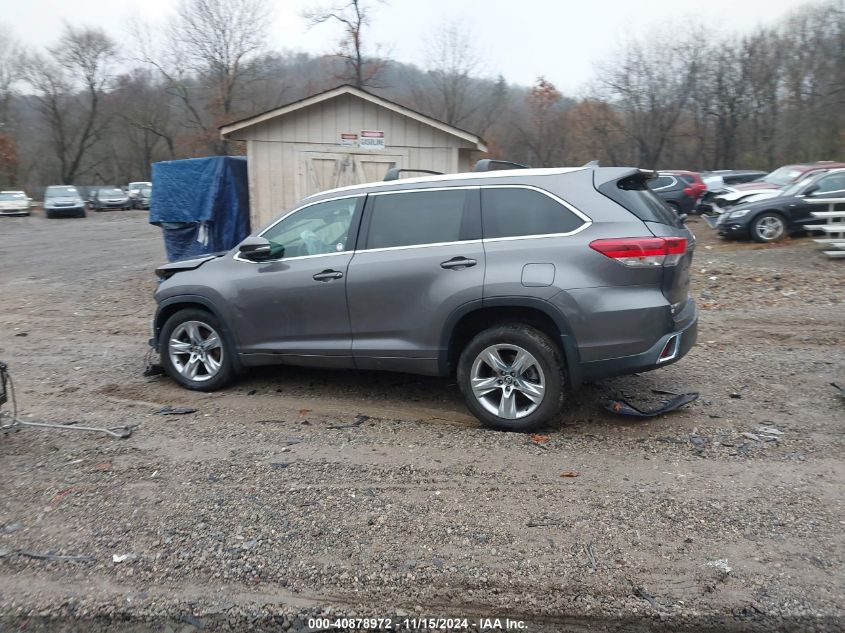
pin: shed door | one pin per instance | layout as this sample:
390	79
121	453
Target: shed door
326	170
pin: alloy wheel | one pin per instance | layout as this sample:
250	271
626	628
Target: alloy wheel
196	350
507	381
769	228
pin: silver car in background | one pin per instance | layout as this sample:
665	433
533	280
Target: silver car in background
14	203
63	201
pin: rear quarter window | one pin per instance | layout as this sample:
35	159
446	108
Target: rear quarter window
518	212
633	194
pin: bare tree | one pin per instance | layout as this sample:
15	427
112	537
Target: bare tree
218	37
362	71
69	86
649	84
204	59
10	72
452	64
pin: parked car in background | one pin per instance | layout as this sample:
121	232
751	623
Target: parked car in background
679	189
787	175
110	198
769	219
14	203
717	180
142	200
134	189
523	295
63	200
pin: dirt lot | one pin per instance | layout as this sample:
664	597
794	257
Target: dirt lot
268	505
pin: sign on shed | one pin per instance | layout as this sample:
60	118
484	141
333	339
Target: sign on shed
349	139
372	139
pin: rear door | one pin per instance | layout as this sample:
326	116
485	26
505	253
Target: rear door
419	259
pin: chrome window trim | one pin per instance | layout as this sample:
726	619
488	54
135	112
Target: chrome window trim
237	256
430	245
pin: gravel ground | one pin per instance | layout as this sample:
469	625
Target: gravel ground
302	492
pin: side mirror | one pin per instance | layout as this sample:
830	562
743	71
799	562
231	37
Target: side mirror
257	249
809	191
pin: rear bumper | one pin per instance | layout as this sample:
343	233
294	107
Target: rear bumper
679	343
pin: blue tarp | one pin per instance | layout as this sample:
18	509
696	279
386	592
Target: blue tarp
202	204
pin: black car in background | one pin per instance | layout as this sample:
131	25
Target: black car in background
770	219
674	189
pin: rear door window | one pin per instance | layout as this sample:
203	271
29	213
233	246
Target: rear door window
519	212
633	194
417	218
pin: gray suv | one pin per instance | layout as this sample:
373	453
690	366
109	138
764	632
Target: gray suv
524	283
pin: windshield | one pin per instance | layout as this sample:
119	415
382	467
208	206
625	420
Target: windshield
5	197
110	192
58	192
783	176
145	191
791	190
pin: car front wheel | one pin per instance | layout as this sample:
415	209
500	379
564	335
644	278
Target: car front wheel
768	227
512	377
194	352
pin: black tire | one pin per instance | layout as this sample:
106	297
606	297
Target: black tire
49	214
226	372
768	218
82	214
548	357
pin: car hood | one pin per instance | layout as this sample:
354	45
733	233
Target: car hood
781	202
752	195
165	271
14	204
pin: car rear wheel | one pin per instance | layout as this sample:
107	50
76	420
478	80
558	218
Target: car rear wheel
194	352
512	377
768	227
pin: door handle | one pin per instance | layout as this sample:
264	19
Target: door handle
458	262
328	275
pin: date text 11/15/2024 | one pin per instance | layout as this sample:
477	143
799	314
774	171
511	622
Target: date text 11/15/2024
408	623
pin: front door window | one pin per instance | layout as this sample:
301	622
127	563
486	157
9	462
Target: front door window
318	229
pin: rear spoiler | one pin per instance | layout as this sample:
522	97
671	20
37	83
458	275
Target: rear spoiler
615	174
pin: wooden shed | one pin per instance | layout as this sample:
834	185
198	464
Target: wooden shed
343	136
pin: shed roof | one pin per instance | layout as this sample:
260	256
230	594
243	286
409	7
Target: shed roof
230	128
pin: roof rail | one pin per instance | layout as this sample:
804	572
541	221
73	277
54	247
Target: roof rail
592	163
393	172
490	164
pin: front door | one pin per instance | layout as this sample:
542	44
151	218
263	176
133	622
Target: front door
295	304
320	171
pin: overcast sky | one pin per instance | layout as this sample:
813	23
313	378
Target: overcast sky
521	39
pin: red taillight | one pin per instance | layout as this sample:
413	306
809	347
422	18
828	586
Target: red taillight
642	252
695	190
